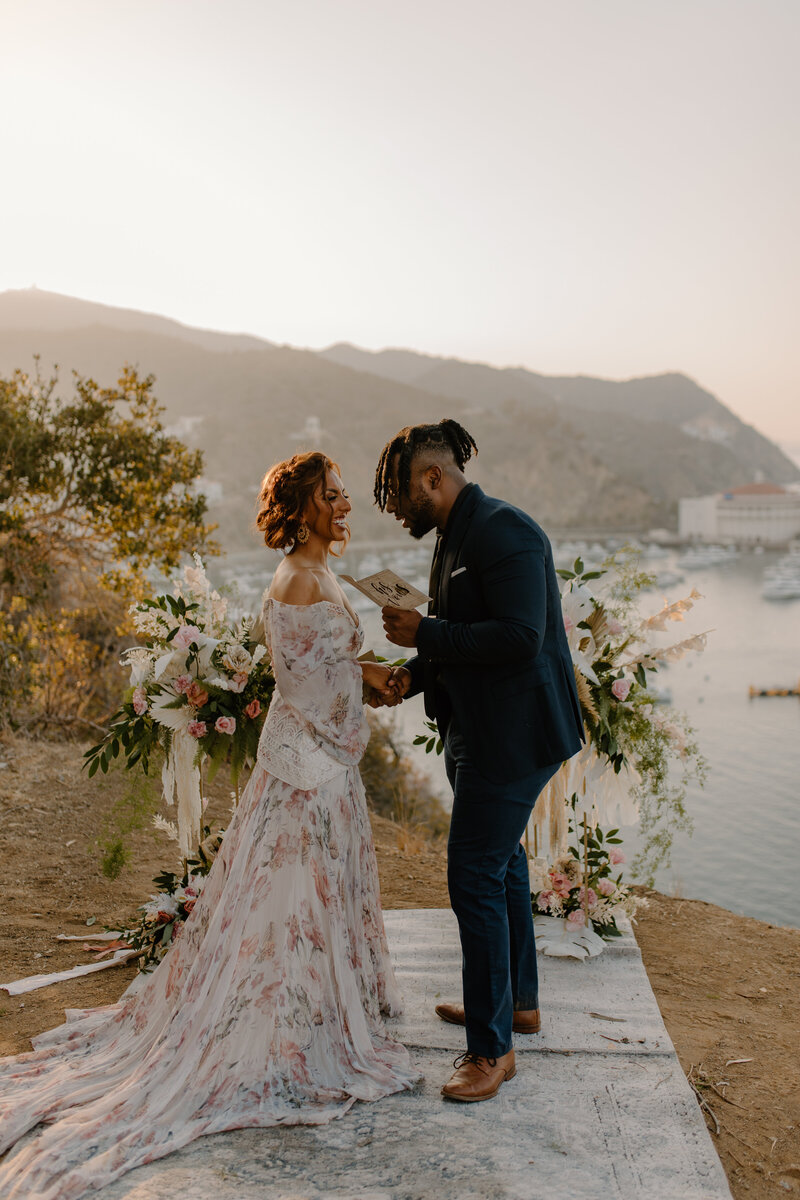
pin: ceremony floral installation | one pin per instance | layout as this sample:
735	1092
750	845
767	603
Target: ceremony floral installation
164	914
200	689
622	774
581	886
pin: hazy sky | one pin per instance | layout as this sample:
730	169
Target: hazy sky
606	187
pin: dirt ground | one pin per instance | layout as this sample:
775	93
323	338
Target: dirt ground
727	986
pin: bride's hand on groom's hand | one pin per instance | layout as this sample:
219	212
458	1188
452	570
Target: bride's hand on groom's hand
379	679
398	686
387	684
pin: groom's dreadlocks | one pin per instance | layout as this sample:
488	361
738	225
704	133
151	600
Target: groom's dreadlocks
446	435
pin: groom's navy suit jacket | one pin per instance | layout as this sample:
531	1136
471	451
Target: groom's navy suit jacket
492	655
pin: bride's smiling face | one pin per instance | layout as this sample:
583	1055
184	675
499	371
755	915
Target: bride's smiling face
326	512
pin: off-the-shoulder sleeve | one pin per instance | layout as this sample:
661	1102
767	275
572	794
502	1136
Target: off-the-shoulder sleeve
313	659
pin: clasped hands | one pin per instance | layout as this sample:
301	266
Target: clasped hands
388	685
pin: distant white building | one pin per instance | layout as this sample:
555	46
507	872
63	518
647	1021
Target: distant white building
312	433
707	430
754	514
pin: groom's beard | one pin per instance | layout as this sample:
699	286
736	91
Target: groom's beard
423	518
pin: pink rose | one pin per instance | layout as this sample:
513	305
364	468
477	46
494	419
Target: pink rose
606	887
620	688
616	856
561	883
140	701
197	729
577	918
253	709
225	724
185	636
544	900
238	681
182	684
196	695
590	896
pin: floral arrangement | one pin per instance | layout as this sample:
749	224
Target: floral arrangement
200	688
163	917
612	654
623	770
164	914
584	890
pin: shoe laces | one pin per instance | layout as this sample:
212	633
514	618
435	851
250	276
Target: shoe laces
469	1056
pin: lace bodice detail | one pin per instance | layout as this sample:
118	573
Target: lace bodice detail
316	726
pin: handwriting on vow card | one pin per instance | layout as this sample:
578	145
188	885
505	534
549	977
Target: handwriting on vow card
385	587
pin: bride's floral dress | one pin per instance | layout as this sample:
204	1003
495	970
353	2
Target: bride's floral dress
267	1010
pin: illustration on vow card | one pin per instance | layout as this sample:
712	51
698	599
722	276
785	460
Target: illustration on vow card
385	587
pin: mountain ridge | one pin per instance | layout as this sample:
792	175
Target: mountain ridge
248	402
51	309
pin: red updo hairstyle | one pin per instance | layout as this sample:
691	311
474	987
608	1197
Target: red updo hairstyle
285	490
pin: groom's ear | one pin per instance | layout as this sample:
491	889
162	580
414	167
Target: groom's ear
434	476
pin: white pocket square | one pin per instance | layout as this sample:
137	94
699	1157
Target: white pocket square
457	571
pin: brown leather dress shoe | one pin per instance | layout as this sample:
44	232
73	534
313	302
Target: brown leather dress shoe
478	1078
524	1021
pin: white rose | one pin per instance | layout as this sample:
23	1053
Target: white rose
237	660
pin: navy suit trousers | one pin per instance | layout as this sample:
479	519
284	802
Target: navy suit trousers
487	876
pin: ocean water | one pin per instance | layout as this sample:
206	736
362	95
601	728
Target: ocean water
744	853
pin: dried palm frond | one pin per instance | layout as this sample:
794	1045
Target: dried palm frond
672	612
598	623
585	694
167	827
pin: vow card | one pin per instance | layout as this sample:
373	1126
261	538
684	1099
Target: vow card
385	587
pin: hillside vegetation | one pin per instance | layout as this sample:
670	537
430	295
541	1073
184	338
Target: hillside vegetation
576	453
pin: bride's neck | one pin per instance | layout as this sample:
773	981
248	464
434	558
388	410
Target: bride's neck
314	555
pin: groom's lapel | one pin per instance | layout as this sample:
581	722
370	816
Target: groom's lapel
455	540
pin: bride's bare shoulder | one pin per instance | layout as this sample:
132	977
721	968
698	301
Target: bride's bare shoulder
295	585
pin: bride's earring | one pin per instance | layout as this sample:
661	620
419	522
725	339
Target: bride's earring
302	533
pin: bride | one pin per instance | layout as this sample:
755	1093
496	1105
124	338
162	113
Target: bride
268	1010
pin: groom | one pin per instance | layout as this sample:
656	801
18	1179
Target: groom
495	669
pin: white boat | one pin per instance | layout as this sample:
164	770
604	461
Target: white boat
697	557
781	589
782	582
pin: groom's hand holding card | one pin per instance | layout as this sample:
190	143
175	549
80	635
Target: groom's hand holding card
398	601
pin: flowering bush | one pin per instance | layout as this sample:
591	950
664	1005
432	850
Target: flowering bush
580	885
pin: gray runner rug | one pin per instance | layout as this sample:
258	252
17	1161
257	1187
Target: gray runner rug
599	1106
